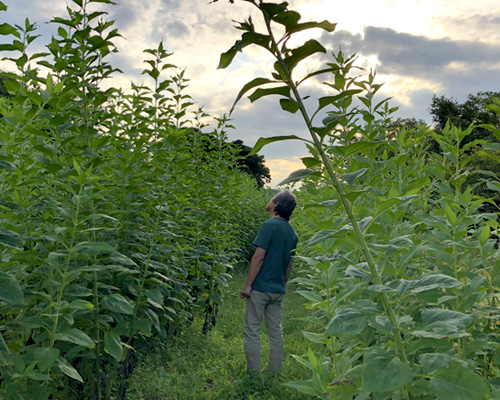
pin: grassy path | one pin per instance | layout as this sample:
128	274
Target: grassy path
214	367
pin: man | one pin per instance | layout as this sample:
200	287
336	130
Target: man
265	284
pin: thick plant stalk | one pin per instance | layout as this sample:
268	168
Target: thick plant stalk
345	201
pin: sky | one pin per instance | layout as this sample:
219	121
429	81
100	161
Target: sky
418	48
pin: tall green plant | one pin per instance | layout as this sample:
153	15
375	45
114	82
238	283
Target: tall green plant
393	319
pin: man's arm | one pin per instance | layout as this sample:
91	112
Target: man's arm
289	269
255	266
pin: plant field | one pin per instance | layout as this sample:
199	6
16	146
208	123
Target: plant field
122	213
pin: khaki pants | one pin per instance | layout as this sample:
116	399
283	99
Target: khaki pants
258	305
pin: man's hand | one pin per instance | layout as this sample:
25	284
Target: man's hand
246	291
255	265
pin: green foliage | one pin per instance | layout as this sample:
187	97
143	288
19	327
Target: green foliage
400	261
116	223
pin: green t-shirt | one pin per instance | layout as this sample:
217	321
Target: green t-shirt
277	237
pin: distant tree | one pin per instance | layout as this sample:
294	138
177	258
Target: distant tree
402	123
473	110
253	165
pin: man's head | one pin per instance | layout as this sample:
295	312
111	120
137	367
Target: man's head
282	204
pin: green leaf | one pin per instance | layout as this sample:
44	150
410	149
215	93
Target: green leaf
484	235
316	337
384	373
457	382
6	29
324	204
310	162
155	298
325	25
352	177
346	322
45	357
3	7
327	234
434	281
250	85
271	9
142	325
312	297
324	101
76	336
113	345
280	90
79	304
117	303
289	105
431	362
383	206
68	370
493	186
227	58
10	291
93	248
307	387
299	175
300	53
289	19
264	141
7	165
357	147
247	38
439	323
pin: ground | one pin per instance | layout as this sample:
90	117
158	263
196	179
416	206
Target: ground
213	366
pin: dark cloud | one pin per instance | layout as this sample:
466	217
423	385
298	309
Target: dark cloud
409	55
178	29
265	118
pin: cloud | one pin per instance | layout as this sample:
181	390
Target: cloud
411	55
472	27
282	167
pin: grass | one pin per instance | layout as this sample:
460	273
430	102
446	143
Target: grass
213	366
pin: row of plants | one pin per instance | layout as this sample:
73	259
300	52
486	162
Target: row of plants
400	259
121	212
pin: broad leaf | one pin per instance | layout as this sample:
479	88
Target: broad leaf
264	141
10	239
299	175
280	90
68	370
434	281
76	336
117	303
250	85
113	345
346	322
352	177
384	373
300	53
10	291
289	105
457	382
45	357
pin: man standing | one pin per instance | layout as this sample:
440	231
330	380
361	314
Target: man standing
265	284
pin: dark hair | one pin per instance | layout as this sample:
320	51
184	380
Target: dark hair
285	204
